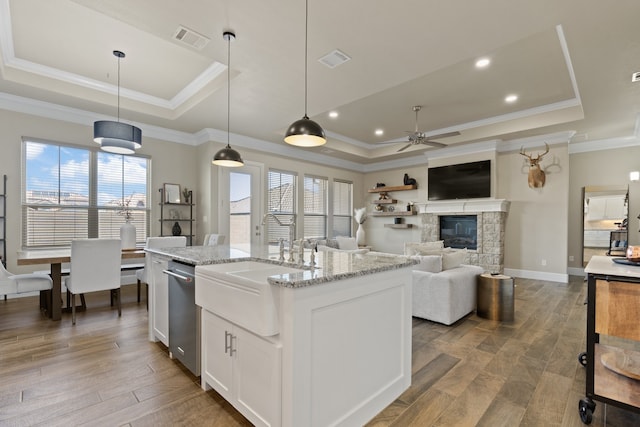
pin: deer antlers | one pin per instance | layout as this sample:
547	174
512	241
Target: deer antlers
532	161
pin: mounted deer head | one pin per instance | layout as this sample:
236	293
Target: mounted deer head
536	175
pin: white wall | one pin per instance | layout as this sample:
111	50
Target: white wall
170	162
601	168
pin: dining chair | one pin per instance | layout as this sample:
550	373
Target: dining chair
95	266
22	283
157	243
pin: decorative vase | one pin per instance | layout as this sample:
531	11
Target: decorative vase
176	230
360	235
128	236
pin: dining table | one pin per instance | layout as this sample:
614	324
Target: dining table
55	258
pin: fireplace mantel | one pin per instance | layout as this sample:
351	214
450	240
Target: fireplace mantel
466	206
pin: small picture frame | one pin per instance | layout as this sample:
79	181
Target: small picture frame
172	193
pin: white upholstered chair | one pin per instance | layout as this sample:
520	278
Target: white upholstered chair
213	239
157	243
95	266
22	283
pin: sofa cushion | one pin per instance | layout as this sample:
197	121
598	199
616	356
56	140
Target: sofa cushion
430	263
423	248
452	258
348	243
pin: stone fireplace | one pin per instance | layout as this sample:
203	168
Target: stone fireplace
490	223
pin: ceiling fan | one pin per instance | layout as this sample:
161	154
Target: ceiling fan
416	137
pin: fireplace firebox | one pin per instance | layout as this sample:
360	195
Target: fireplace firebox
459	231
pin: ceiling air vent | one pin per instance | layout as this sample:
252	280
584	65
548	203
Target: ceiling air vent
635	77
190	37
335	58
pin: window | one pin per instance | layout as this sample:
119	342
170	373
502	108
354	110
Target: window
315	207
281	202
74	193
342	208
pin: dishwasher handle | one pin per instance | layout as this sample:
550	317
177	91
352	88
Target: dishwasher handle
179	276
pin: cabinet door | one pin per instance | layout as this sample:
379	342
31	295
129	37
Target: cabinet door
257	377
217	364
160	306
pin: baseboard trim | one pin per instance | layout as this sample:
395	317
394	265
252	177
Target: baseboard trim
537	275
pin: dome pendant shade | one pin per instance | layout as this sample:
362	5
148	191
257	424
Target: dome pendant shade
305	133
228	157
117	137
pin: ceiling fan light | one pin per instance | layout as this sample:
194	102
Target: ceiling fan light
305	133
227	157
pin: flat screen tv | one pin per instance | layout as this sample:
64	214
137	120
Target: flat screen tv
462	181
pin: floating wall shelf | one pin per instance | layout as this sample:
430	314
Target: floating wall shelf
395	188
394	213
384	202
398	225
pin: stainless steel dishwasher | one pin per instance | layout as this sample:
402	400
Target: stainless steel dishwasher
184	316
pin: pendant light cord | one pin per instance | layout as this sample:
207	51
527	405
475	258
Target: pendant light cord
306	60
119	57
228	88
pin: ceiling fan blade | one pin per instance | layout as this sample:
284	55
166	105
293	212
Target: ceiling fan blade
444	135
433	143
405	147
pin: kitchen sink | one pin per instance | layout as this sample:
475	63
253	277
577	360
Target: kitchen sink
240	293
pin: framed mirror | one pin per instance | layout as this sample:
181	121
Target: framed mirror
172	193
605	221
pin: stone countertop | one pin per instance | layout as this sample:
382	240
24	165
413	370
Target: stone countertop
329	267
604	265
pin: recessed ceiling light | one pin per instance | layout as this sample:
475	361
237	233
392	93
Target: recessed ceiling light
333	114
483	62
511	98
379	132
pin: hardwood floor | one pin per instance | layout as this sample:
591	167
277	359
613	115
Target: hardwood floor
477	372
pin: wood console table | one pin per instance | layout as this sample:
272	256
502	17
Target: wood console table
55	258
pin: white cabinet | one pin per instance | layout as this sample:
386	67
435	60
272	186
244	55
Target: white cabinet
606	207
159	294
243	367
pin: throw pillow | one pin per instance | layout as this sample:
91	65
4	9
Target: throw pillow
430	263
348	243
452	258
423	248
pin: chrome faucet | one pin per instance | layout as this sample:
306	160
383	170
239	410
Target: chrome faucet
292	230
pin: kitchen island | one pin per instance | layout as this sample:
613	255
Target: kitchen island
295	344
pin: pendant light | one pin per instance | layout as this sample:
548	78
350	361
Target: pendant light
228	157
117	137
305	132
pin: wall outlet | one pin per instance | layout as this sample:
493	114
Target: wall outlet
544	262
571	258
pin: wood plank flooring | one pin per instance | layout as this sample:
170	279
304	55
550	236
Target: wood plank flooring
104	372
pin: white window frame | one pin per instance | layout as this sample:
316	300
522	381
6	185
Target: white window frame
96	218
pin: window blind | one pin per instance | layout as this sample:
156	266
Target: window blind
72	193
281	202
315	207
342	208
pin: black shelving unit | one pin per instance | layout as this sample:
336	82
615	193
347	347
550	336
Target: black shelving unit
166	223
